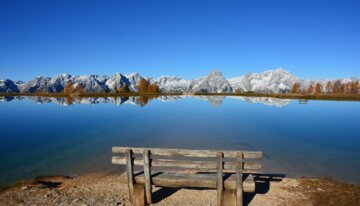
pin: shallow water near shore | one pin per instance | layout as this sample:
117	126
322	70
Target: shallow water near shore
52	136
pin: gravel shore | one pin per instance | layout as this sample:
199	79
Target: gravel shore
105	189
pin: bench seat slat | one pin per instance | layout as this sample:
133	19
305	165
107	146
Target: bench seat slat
189	153
191	180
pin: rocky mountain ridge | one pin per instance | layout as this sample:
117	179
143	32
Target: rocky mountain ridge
271	81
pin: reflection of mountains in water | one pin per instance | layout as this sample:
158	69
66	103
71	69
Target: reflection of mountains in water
264	100
143	100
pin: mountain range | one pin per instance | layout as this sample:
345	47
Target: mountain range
271	81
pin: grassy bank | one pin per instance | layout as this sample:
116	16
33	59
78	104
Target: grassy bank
338	97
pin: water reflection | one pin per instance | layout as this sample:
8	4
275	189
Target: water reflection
144	100
297	139
265	100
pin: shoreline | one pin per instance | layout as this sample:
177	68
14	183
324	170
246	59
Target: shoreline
331	97
104	188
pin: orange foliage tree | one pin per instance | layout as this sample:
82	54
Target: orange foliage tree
238	91
79	89
337	87
310	89
153	88
68	88
328	87
318	89
352	87
145	87
355	87
124	89
295	88
348	86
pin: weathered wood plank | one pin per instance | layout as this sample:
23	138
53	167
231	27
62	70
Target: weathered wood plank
190	153
220	179
239	179
246	165
130	173
192	180
211	165
139	195
147	174
169	180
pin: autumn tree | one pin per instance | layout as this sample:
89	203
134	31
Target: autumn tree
143	85
310	89
355	87
328	87
124	89
153	88
79	89
337	87
68	88
352	87
238	91
348	87
295	88
342	88
318	89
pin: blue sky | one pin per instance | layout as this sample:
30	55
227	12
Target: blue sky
188	38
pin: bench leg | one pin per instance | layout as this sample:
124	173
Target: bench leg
239	195
130	174
147	175
139	195
229	198
220	179
239	179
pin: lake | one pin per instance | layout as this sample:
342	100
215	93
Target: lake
56	136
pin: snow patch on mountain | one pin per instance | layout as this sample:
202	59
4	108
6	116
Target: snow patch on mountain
215	82
116	82
271	81
172	84
133	79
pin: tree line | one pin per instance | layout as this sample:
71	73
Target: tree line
69	88
337	87
144	87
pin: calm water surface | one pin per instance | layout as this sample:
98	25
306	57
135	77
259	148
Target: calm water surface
41	136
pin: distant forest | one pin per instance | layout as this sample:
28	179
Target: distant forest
336	88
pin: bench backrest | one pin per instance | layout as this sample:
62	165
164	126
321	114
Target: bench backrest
199	160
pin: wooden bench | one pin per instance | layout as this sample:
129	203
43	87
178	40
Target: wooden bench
226	171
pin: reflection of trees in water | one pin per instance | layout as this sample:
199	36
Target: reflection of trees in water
143	100
303	101
69	100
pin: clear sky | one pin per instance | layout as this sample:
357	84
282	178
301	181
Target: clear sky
188	38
